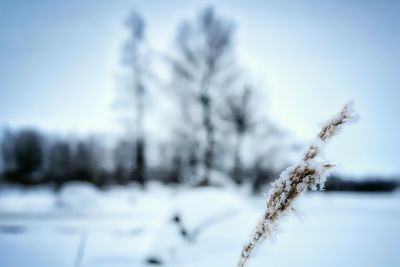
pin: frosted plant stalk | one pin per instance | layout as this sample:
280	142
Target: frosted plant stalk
310	172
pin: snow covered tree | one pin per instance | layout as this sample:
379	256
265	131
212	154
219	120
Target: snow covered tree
201	68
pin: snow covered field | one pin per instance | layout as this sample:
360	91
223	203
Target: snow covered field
82	226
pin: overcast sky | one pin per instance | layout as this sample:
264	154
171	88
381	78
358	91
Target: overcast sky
59	65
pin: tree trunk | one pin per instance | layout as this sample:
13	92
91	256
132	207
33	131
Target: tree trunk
140	160
237	171
209	151
140	148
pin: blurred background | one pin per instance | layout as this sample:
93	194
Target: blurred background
140	133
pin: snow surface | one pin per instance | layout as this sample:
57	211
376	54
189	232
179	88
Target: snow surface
125	226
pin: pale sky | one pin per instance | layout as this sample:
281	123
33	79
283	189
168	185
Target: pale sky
59	63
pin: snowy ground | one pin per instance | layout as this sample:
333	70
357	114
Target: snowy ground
126	226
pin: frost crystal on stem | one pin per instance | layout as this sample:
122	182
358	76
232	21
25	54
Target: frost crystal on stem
310	172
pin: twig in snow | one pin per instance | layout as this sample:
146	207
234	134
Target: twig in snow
81	250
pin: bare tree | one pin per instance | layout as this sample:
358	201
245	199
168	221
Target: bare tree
240	116
23	155
135	62
87	161
201	66
123	165
59	162
8	152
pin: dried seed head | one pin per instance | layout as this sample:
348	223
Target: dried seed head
310	172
